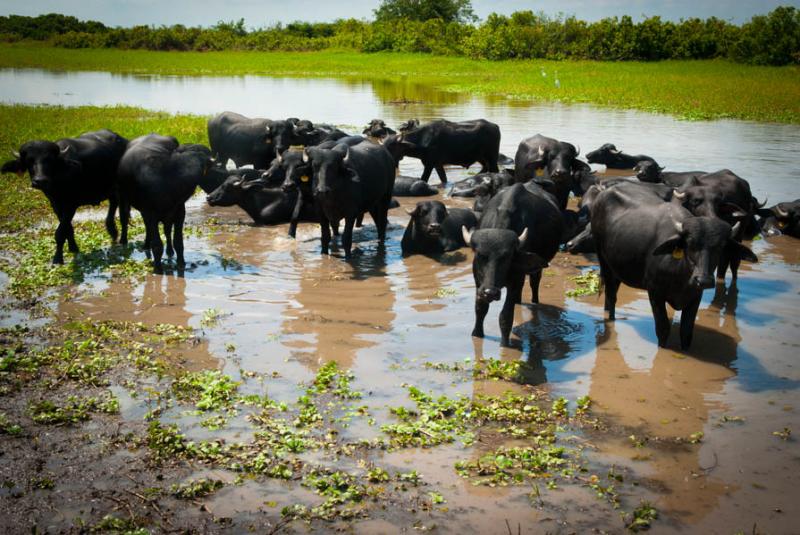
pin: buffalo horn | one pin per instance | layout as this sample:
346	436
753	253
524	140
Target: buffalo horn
735	229
579	151
346	156
523	237
780	211
305	156
65	150
466	234
679	227
678	194
16	154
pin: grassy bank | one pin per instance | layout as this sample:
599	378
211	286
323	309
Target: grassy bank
688	89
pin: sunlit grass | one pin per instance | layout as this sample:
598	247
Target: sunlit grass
689	89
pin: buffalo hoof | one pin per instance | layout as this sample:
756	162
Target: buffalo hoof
170	252
58	260
477	333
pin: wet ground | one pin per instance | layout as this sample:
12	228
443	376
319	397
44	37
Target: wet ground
285	308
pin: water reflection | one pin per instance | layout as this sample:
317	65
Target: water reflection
760	152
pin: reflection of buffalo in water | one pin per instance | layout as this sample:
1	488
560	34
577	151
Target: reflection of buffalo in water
550	335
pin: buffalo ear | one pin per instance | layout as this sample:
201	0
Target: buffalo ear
744	252
13	166
529	261
666	247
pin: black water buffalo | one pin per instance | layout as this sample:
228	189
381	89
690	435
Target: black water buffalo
662	248
241	139
583	178
434	228
648	171
265	202
157	176
440	142
409	125
310	134
518	235
783	218
612	158
296	174
348	181
469	187
725	195
406	186
555	157
579	238
73	172
377	128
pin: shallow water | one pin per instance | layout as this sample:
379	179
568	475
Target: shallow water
287	309
765	154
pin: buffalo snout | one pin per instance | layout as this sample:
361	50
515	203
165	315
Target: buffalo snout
489	294
703	282
40	182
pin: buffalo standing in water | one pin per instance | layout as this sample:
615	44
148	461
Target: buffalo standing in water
73	172
659	247
348	181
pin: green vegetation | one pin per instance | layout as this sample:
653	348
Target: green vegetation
444	27
587	284
689	89
196	488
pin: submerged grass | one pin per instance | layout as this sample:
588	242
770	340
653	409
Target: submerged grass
695	89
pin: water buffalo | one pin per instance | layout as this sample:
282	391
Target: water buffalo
310	134
409	125
612	158
264	201
405	186
157	176
783	218
434	229
377	129
662	248
73	172
518	235
296	176
648	171
469	187
348	181
241	139
540	152
442	142
725	195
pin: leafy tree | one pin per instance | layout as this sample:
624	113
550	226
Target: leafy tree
421	10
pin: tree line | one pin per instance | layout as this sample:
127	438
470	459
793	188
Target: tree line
771	39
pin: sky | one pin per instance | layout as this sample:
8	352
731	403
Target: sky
259	13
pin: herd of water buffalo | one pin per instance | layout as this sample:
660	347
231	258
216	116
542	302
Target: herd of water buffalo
664	232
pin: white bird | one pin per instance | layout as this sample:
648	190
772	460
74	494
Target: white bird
558	82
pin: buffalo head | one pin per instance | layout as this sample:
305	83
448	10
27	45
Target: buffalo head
700	241
497	253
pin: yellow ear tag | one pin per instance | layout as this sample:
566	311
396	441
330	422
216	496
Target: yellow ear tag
781	224
304	178
677	254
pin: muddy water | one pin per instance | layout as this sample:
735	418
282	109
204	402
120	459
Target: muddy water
287	309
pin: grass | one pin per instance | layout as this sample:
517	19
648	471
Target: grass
689	89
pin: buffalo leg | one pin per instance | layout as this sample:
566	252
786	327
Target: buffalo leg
688	316
380	217
535	280
426	173
347	236
298	206
722	268
63	233
513	296
360	220
325	230
493	168
124	220
663	323
111	225
441	173
611	284
153	240
481	309
168	238
177	224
